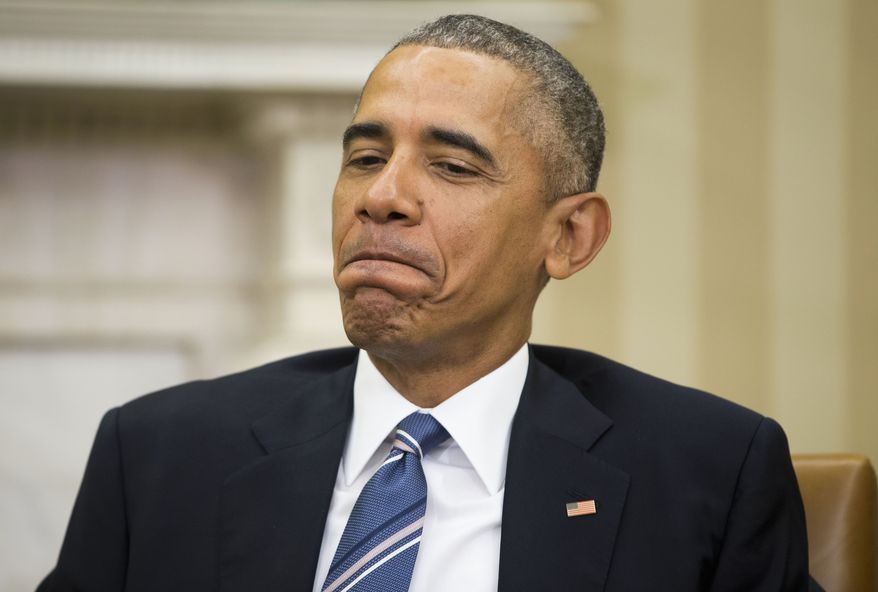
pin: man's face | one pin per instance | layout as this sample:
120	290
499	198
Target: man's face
439	222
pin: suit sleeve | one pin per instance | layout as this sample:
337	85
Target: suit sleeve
94	555
765	545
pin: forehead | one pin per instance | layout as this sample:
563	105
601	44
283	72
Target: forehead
417	85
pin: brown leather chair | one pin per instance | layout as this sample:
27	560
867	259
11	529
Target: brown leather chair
841	508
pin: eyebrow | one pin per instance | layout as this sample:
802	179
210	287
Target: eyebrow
456	138
460	140
368	129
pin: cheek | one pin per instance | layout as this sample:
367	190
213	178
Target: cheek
508	250
342	218
472	251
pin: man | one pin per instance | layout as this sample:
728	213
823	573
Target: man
445	454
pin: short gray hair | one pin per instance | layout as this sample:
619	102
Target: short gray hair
565	120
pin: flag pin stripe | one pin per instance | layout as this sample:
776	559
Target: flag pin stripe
581	508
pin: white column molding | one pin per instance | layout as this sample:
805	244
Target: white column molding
225	45
301	136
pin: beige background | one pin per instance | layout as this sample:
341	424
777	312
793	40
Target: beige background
165	178
742	171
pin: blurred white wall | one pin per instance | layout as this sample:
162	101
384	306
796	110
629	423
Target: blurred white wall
46	391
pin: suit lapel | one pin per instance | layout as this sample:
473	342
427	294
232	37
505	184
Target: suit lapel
273	511
549	465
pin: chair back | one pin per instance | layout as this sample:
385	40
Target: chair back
839	493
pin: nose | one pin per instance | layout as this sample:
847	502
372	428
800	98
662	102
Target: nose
392	196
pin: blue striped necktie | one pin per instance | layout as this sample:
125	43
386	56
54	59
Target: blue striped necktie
379	546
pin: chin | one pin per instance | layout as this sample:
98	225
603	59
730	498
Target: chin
376	323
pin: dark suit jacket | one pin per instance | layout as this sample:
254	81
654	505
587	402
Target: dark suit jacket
225	485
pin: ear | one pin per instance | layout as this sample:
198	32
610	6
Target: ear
580	227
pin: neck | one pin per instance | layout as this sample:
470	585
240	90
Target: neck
429	382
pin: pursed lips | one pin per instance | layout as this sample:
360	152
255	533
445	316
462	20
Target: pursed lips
382	255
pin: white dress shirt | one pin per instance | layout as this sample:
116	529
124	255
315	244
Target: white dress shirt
460	548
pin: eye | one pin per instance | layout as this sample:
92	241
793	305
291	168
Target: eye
454	169
365	162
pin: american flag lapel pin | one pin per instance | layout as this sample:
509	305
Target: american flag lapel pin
581	508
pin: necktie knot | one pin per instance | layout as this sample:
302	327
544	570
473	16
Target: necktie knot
419	433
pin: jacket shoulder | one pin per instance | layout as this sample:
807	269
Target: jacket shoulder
619	389
243	395
657	417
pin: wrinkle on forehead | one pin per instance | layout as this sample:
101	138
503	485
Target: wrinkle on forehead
484	90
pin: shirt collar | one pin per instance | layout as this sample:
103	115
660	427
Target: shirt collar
479	417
